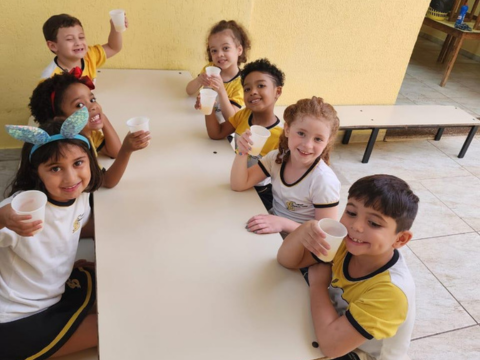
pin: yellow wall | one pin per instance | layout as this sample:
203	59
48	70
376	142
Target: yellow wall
349	52
472	46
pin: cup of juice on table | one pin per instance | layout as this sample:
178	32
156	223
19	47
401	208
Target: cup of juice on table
335	232
138	123
31	203
258	138
207	100
118	19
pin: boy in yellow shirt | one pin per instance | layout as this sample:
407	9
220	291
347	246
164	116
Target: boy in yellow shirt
66	39
363	303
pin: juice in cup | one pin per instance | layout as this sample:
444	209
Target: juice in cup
207	100
259	138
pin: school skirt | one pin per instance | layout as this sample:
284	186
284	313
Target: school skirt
40	335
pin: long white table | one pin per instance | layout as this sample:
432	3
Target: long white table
179	277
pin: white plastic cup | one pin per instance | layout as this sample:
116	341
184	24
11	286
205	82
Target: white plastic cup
212	70
259	138
31	203
207	100
118	19
335	232
138	123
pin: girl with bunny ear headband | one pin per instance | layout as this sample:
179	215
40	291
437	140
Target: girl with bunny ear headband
44	298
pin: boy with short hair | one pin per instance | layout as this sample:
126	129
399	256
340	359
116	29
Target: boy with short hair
66	39
262	84
364	299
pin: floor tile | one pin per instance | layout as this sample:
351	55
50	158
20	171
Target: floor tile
472	100
458	345
404	101
451	146
454	260
8	170
9	154
433	299
460	194
433	211
409	160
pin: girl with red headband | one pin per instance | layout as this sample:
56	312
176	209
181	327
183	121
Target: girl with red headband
63	94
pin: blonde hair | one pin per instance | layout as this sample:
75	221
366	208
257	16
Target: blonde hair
316	108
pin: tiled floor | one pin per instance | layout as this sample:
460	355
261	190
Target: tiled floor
421	84
443	255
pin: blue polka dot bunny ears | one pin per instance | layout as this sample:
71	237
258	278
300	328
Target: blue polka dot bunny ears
71	128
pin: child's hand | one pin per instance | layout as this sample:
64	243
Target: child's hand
204	79
265	224
312	238
198	105
244	142
85	264
320	275
216	83
126	21
16	223
136	141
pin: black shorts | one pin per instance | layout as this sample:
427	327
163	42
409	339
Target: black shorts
266	195
40	335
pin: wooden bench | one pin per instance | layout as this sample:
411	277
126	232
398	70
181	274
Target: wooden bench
378	117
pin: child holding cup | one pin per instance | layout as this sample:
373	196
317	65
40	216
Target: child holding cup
61	95
66	39
227	48
304	186
363	303
262	84
46	301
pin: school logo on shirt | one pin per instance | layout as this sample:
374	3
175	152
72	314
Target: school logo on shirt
293	206
77	224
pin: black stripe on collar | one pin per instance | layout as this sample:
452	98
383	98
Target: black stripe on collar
236	76
61	203
282	170
56	62
250	119
385	267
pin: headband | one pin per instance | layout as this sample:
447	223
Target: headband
70	130
77	72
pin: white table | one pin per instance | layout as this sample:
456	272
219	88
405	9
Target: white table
179	277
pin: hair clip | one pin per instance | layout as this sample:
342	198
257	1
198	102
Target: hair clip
70	129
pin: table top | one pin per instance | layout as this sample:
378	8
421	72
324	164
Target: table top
179	277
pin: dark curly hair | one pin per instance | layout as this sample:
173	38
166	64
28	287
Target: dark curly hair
55	22
389	195
41	106
240	37
316	108
266	67
27	174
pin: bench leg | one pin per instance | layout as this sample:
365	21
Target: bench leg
439	134
467	142
346	137
371	143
